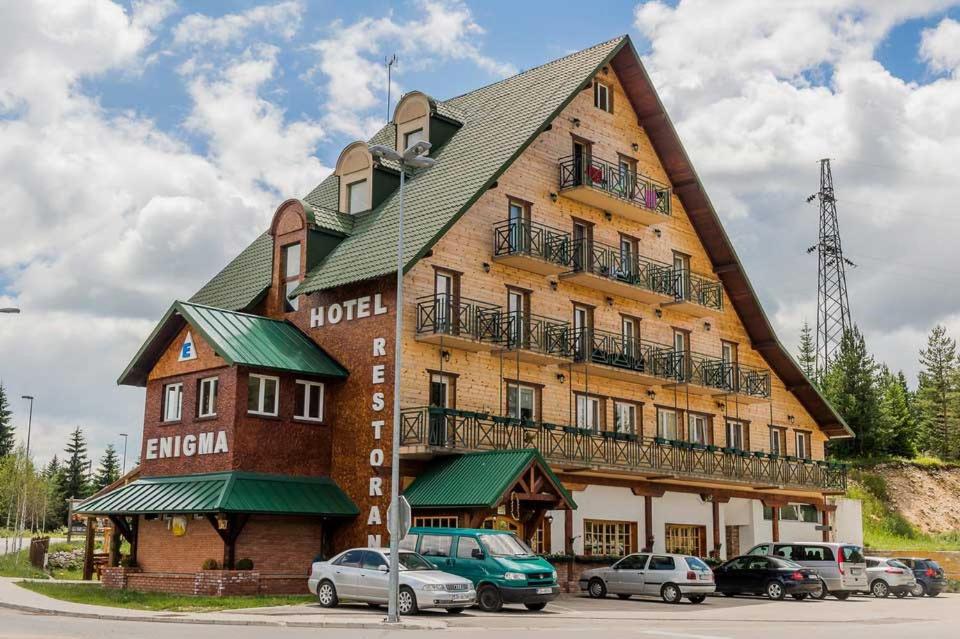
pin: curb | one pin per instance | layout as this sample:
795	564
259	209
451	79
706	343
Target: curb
402	625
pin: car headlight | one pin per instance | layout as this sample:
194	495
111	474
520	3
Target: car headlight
553	575
514	576
434	587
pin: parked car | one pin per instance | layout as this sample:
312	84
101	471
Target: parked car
888	575
671	577
841	567
931	580
362	574
501	567
774	577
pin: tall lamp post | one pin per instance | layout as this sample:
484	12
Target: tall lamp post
29	421
413	158
124	471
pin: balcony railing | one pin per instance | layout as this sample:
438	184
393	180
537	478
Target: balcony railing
459	316
602	347
455	430
610	262
535	333
522	237
691	287
611	179
717	374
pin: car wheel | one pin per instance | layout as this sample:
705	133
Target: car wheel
623	595
596	588
489	600
775	590
919	590
536	606
406	601
933	593
454	611
822	593
900	594
671	593
327	594
842	596
697	599
800	596
880	589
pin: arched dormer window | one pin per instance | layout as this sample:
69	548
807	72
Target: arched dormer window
412	117
355	170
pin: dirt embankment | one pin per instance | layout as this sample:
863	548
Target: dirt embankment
929	498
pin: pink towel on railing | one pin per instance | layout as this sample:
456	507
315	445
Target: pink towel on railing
651	197
595	173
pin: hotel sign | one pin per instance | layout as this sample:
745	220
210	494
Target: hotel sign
357	308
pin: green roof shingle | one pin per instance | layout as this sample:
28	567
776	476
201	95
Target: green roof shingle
243	281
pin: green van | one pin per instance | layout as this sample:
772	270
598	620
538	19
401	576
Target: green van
502	568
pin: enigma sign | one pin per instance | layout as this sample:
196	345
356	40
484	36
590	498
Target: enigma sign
210	443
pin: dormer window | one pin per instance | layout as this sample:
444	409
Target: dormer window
358	196
603	97
291	275
412	137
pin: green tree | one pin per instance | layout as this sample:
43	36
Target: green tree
807	355
937	393
851	386
74	479
896	418
7	435
109	470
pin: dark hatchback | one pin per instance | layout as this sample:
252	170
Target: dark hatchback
931	580
771	576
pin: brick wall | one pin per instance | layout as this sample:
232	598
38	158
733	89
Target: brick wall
159	551
281	545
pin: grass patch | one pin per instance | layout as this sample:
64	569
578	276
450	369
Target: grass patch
18	565
98	596
886	529
925	462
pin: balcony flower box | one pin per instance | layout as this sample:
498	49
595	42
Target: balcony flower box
608	434
759	454
712	448
743	453
699	446
436	410
730	450
499	419
660	441
571	429
790	458
588	432
548	426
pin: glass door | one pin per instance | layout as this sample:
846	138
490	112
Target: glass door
517	319
681	275
581	332
440	397
681	355
729	357
631	345
735	435
519	229
581	248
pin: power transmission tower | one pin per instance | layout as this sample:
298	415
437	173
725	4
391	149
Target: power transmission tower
833	306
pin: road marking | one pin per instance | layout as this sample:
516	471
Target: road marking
685	635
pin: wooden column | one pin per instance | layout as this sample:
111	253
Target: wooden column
235	524
716	528
825	522
648	523
135	527
88	549
568	532
776	524
114	556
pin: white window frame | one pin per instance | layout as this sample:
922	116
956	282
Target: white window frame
778	443
676	423
178	386
354	185
804	449
205	384
630	410
518	389
262	392
730	427
409	134
604	103
692	419
307	384
588	410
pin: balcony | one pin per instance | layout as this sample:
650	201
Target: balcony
536	339
425	432
612	356
704	375
605	186
459	322
605	268
694	294
531	247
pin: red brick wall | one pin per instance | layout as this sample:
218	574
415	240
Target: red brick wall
159	551
285	545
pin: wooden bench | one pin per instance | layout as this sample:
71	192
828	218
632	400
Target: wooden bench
100	561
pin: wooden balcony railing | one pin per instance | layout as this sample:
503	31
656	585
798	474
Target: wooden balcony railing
457	430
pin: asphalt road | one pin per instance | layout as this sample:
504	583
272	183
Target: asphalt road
747	618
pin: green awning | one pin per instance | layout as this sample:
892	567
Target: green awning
239	338
478	480
230	492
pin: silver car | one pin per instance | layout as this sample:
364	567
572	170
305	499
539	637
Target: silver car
362	574
672	577
842	568
887	575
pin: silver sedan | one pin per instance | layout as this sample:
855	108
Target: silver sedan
887	575
362	574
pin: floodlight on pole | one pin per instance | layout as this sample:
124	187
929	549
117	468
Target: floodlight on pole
10	310
413	157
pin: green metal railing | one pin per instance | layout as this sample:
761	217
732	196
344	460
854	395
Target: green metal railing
612	179
458	430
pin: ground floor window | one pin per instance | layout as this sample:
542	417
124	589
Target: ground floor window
686	539
602	537
540	541
440	521
794	512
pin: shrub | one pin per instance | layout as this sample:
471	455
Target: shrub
245	564
209	564
128	562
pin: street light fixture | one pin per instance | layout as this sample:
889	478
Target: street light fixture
11	310
29	421
415	158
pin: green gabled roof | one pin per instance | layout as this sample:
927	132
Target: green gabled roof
228	492
240	339
243	282
499	121
476	480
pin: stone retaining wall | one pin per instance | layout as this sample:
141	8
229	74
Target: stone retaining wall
213	583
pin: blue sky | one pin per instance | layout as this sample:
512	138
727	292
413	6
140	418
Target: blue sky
143	144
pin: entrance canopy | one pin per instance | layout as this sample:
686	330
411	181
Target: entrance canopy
230	492
487	479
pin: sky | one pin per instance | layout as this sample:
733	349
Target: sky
144	143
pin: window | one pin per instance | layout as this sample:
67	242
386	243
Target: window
468	548
588	412
518	318
582	325
262	394
172	402
698	427
778	443
309	401
290	256
540	542
625	417
522	402
667	423
800	552
435	522
436	545
608	537
803	444
684	539
412	137
445	296
762	549
207	404
681	275
659	562
602	97
373	560
441	390
350	558
358	196
633	562
735	437
518	214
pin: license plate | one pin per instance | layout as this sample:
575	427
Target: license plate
706	577
461	597
854	571
544	591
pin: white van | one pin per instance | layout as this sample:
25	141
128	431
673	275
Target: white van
842	567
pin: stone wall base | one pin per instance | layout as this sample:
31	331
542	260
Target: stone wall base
211	583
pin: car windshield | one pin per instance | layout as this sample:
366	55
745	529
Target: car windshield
505	546
413	561
696	564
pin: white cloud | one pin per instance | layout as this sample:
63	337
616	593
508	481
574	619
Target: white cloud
198	29
940	46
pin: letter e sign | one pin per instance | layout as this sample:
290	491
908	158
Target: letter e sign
187	352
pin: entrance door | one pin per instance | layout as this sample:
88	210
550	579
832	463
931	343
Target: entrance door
681	355
441	396
582	340
517	303
581	247
681	274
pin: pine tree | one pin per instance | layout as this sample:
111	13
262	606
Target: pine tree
74	480
937	392
851	386
807	355
53	468
7	435
109	470
896	418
